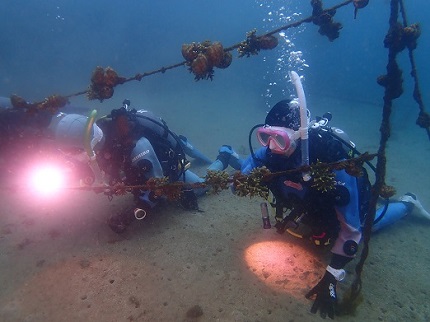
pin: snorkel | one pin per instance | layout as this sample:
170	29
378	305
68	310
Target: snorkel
89	149
304	123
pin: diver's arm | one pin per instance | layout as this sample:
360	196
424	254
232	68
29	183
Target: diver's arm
344	249
251	163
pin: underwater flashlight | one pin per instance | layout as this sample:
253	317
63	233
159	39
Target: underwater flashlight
47	179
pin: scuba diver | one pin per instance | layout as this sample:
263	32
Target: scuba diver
126	146
333	217
138	146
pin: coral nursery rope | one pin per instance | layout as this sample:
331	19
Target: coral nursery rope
316	15
392	83
423	118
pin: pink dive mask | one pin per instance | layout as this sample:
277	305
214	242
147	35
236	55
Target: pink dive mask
280	140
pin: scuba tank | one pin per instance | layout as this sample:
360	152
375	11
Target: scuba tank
141	123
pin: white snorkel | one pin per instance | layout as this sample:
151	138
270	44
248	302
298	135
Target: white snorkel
304	122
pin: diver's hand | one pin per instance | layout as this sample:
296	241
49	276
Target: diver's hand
326	298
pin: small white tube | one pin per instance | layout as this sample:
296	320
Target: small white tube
304	123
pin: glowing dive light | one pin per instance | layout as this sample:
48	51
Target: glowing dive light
47	180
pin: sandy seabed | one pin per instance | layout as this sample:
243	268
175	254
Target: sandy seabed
61	262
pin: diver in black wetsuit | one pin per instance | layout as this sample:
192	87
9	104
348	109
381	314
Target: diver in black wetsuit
129	146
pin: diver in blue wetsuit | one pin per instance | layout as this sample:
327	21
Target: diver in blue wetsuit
332	217
139	146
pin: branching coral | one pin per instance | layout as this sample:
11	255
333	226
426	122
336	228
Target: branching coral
253	184
203	57
323	177
51	103
102	83
253	44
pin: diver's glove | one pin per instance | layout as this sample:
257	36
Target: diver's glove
326	297
325	290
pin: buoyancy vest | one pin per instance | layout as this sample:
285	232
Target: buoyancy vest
326	145
124	128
